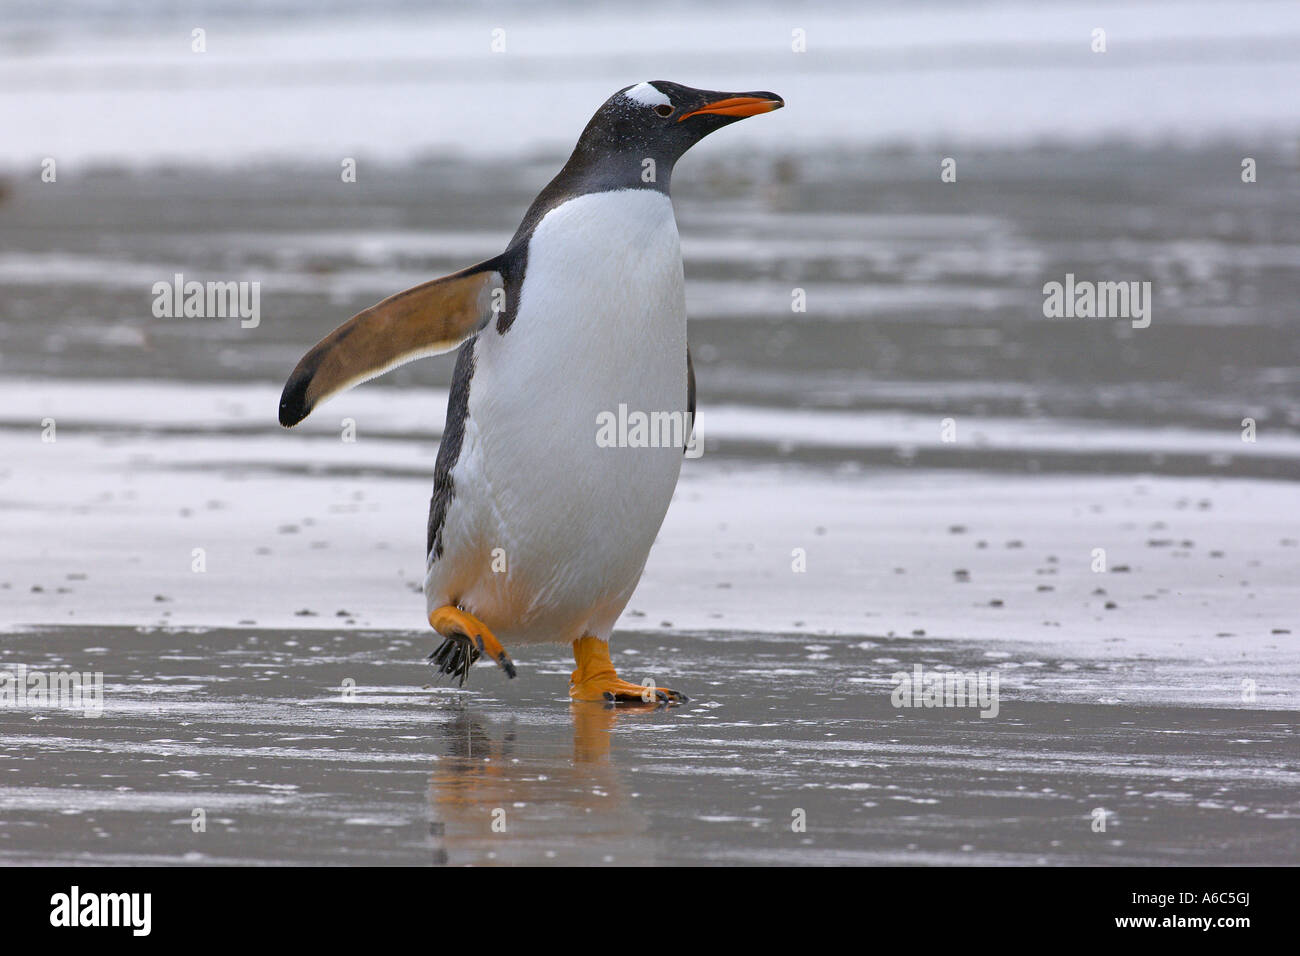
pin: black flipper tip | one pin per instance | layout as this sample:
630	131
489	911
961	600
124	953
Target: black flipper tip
293	400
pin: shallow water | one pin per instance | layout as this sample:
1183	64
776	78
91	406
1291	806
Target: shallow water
921	297
254	729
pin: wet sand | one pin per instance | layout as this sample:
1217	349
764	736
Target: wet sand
225	688
187	505
253	728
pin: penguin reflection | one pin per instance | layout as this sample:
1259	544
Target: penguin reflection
506	796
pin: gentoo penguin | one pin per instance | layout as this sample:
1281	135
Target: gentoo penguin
538	529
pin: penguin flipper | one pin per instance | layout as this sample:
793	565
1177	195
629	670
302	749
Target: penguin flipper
428	319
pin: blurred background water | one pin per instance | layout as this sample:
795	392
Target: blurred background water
922	297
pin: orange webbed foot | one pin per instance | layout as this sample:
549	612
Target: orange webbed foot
595	679
466	639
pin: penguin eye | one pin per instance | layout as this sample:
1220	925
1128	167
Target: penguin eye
664	109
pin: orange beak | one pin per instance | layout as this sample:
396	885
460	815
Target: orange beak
738	106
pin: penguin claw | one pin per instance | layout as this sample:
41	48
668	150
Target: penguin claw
507	665
502	659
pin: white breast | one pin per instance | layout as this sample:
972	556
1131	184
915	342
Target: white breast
601	323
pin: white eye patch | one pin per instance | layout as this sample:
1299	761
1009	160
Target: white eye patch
647	95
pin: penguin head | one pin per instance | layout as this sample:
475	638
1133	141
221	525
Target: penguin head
662	120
